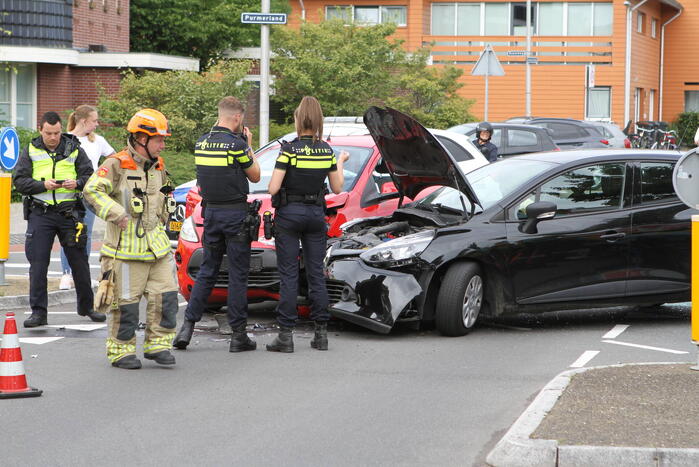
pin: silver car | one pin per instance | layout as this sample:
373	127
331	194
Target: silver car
613	134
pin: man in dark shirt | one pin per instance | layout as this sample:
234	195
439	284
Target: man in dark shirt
224	164
484	131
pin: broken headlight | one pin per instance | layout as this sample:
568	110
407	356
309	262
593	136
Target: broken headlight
189	231
400	251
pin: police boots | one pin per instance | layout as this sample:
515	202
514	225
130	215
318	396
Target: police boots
240	341
320	339
284	342
35	320
184	336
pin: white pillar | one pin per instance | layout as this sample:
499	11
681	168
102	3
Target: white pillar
264	78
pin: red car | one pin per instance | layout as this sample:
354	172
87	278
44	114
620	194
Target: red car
368	192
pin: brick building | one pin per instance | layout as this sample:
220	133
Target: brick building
59	52
612	60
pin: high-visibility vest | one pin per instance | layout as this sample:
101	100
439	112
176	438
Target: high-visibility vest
45	167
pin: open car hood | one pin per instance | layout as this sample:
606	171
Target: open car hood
413	156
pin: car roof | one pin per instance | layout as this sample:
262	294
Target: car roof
585	155
516	126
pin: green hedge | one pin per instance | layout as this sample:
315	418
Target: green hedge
686	127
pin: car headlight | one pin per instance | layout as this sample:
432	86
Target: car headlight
189	232
400	251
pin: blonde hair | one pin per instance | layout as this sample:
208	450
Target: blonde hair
230	105
309	116
82	112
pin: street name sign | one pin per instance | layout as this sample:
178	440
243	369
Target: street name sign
263	18
9	148
517	53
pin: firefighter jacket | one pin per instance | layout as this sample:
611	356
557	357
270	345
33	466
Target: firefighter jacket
221	157
37	164
122	183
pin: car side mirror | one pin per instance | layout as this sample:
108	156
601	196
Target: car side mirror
537	212
381	167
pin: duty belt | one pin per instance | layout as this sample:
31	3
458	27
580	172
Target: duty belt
305	199
231	205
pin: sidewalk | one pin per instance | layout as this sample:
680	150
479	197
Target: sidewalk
622	415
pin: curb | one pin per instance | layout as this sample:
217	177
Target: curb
516	449
58	297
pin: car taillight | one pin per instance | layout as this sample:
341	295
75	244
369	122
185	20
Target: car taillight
627	143
604	141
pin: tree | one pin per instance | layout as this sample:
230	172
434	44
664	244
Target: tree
203	29
187	98
348	68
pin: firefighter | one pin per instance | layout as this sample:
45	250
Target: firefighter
50	174
224	164
130	191
298	194
484	132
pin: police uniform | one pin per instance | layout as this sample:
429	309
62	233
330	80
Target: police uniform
221	158
488	149
301	217
54	212
128	184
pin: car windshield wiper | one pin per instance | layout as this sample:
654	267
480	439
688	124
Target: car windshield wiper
448	209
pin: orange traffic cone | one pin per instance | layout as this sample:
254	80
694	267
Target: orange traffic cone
13	382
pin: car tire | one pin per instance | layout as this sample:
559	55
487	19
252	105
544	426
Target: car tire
460	299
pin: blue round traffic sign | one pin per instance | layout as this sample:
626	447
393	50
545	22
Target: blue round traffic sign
9	148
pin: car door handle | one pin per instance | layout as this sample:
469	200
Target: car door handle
613	236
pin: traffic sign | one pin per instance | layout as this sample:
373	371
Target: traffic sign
517	53
9	148
263	18
488	64
685	177
532	60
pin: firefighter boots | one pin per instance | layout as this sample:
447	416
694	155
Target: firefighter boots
94	316
130	362
164	357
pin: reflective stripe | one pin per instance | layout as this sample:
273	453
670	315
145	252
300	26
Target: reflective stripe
10	341
213	153
159	343
125	280
117	351
235	153
61	196
304	164
11	368
211	161
243	159
283	159
109	251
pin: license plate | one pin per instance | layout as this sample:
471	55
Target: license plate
175	226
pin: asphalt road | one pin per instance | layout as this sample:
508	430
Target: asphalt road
409	398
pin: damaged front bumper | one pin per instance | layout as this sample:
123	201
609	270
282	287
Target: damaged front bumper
372	298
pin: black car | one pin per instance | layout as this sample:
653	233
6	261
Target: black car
538	232
568	133
512	139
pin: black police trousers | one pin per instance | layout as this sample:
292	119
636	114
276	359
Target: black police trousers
42	229
221	228
304	222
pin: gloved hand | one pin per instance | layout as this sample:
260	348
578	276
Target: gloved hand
105	293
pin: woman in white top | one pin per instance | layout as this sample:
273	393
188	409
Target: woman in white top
83	123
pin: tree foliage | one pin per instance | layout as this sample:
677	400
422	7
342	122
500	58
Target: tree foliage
203	29
349	68
187	98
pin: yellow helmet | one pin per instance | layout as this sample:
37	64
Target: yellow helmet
150	122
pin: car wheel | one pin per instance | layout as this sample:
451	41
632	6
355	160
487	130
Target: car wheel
460	299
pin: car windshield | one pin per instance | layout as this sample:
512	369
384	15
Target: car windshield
353	167
493	182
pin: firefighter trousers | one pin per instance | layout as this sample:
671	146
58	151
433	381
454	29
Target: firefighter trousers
153	280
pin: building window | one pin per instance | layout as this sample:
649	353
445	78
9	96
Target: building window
640	19
691	101
18	96
509	19
653	28
599	100
368	15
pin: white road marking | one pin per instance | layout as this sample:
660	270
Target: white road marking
55	313
26	265
38	340
584	358
616	331
647	347
78	327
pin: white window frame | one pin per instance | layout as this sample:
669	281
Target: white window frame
13	95
640	20
587	105
653	28
651	105
379	7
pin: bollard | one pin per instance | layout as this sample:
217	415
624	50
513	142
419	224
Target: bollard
5	193
695	285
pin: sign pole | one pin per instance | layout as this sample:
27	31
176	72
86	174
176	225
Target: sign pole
5	194
487	65
528	91
485	116
264	78
695	285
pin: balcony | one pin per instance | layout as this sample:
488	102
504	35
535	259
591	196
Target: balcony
38	23
548	50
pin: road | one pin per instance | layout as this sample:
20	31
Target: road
409	398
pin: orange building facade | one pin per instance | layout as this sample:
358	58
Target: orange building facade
580	66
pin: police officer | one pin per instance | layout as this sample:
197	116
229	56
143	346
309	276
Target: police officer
51	173
130	192
298	189
224	164
484	131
